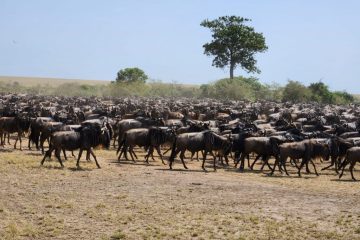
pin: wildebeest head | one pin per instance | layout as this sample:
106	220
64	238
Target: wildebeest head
105	137
24	122
110	128
321	150
228	145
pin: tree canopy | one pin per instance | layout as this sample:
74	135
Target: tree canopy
129	75
234	43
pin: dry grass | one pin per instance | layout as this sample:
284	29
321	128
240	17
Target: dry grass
139	201
53	82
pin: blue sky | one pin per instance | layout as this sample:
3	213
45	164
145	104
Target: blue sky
308	40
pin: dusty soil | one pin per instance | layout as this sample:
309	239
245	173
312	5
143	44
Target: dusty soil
137	201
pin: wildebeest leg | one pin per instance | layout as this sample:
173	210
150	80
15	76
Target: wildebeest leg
159	152
125	149
78	160
114	141
93	154
303	162
342	168
284	165
226	160
166	151
152	156
47	154
88	156
192	155
242	162
237	158
72	153
311	161
57	154
131	151
307	167
265	162
150	151
338	163
257	158
8	135
352	164
172	160
182	154
248	160
277	163
121	152
64	154
29	143
203	163
42	140
333	162
221	159
214	160
148	154
19	136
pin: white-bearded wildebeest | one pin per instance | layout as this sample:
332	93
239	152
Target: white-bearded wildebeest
352	156
198	141
87	137
258	145
305	150
18	124
35	130
149	138
140	122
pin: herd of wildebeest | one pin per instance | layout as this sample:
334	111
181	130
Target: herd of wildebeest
294	134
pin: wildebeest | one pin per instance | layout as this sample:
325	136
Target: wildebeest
352	156
198	141
18	124
87	137
126	124
305	150
35	130
149	138
258	145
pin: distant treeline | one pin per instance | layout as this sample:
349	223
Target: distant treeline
234	89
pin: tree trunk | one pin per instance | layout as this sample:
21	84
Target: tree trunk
231	71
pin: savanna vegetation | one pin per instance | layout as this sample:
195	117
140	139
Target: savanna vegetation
237	88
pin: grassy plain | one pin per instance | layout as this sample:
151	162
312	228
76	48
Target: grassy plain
129	200
54	82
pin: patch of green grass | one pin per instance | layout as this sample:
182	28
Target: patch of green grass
12	231
118	235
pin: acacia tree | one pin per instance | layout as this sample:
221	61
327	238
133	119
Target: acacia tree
131	75
234	43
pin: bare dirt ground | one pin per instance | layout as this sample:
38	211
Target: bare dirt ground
137	201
